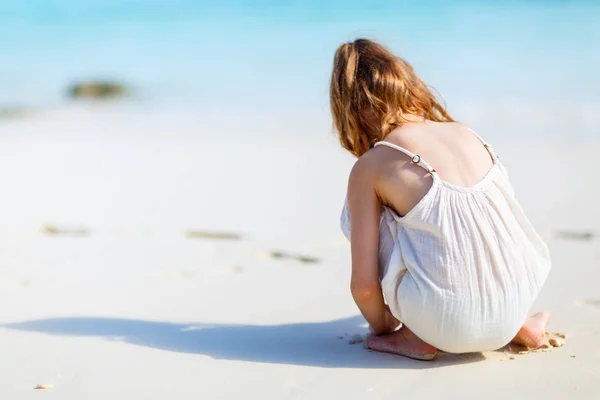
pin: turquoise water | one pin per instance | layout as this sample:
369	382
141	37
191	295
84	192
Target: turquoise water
277	54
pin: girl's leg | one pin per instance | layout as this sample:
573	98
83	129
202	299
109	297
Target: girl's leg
402	342
533	331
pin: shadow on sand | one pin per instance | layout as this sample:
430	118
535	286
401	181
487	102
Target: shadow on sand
308	344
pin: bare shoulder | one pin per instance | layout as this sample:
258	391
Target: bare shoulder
362	183
364	171
460	128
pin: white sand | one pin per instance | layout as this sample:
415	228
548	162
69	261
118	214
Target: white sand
137	310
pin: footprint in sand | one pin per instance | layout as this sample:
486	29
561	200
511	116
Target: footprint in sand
589	303
301	258
53	230
575	235
14	283
199	234
551	341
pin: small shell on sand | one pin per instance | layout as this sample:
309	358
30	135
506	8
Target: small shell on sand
44	387
356	338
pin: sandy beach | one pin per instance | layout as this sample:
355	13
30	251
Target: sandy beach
141	259
179	237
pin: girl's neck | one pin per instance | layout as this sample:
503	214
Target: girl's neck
413	118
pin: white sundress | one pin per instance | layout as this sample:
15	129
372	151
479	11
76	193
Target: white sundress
462	268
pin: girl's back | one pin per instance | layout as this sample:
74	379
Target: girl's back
434	227
451	149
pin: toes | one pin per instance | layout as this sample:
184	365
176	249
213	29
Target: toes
550	340
533	338
529	336
543	318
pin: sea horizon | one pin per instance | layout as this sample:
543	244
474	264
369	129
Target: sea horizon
522	62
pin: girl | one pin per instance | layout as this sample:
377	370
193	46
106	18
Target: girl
431	216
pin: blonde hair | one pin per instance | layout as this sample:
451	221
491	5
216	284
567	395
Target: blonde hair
372	91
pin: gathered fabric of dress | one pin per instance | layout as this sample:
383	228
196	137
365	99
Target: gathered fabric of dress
462	268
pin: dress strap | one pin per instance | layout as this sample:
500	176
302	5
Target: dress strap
415	158
488	146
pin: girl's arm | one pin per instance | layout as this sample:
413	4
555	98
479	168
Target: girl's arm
365	208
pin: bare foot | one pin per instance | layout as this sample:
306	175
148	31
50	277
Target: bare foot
532	333
402	342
